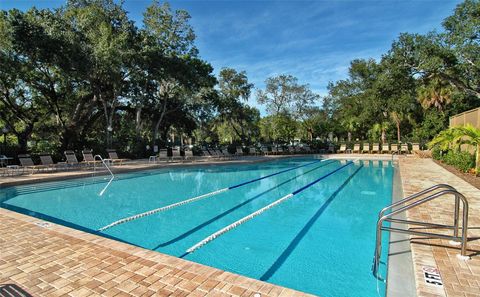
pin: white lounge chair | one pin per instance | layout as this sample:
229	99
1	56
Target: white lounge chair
365	147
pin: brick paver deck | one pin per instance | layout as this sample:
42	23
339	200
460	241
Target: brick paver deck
460	278
58	261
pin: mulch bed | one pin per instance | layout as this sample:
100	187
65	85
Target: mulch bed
470	178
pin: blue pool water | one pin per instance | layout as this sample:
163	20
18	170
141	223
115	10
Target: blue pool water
321	241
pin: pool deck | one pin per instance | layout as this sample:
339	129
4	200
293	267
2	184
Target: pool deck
460	277
53	260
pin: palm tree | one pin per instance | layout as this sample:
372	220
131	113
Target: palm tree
437	93
471	136
444	140
456	136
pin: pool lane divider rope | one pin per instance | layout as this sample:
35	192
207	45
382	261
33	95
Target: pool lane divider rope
258	212
203	196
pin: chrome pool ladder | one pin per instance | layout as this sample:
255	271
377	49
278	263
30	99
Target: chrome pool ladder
104	162
424	196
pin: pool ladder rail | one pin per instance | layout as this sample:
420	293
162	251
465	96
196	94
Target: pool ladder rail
104	162
424	196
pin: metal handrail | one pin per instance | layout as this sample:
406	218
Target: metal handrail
394	153
416	195
387	217
108	168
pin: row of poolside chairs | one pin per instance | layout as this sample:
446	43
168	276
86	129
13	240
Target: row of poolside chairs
225	154
71	162
207	154
376	149
280	150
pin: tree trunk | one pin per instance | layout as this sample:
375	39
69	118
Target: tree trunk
23	138
398	131
138	123
384	135
310	134
349	136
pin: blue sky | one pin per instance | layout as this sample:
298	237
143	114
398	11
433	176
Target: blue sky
312	40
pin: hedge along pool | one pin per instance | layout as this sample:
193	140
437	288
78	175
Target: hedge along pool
320	240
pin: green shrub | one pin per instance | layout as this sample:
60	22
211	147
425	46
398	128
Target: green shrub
461	160
437	154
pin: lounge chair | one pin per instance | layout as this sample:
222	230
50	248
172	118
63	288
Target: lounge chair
221	154
112	155
365	147
239	151
212	153
264	150
331	148
280	150
88	158
308	150
4	160
404	148
163	154
71	159
385	148
26	162
226	154
46	160
342	149
417	151
176	154
394	148
356	148
291	150
274	150
189	155
205	153
375	148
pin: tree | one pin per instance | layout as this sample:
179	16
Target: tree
172	80
283	94
462	41
170	30
109	38
41	52
315	122
354	102
234	91
435	93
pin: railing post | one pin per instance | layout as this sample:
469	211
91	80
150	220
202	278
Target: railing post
464	227
378	249
456	215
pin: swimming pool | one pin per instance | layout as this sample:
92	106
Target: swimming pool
319	241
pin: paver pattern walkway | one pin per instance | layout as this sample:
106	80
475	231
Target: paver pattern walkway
460	278
58	261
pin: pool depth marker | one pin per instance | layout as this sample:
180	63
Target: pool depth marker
258	212
183	202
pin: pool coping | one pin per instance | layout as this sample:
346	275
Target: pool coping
400	275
